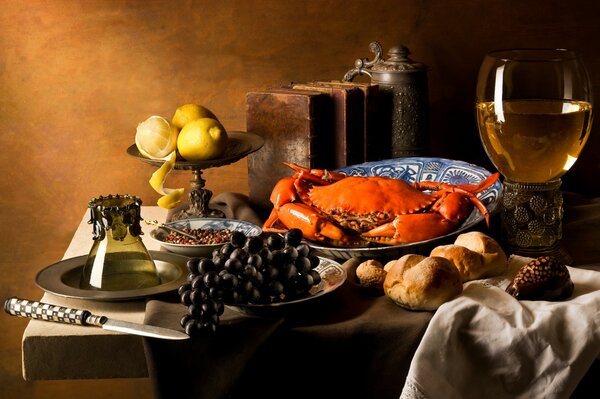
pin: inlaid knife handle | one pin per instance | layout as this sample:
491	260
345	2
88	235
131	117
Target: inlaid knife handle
44	311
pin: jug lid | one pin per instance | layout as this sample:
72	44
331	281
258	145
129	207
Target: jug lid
381	70
398	61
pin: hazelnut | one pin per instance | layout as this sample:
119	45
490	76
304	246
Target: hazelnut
371	274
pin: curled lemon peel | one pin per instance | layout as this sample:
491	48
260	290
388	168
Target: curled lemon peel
171	197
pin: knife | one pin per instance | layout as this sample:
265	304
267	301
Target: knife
61	314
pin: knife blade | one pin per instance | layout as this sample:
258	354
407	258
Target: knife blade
61	314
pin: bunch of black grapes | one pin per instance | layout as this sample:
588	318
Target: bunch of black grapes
247	270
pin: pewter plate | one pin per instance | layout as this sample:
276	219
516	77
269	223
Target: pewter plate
415	170
62	279
158	235
333	276
239	145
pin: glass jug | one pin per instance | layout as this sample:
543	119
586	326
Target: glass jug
118	259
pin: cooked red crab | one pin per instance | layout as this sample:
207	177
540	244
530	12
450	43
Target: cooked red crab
342	210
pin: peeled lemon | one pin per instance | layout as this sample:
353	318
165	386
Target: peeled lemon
156	138
202	139
190	112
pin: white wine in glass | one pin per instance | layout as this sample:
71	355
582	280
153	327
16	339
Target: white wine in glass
534	141
534	114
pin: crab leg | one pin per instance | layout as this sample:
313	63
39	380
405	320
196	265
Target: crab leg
317	176
410	228
452	197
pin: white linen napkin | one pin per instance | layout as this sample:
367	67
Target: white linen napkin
487	344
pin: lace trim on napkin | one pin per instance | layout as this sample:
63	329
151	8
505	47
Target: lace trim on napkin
412	390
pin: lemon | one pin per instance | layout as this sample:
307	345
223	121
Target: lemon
156	138
190	112
171	196
202	139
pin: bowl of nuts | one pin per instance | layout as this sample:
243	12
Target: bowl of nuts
199	237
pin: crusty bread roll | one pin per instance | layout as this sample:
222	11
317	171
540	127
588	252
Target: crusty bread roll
417	282
475	255
371	274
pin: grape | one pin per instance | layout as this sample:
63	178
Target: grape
254	245
293	237
197	282
238	239
275	242
192	265
249	272
272	273
277	257
233	265
305	280
254	295
198	296
209	307
219	261
276	288
240	254
210	327
211	279
290	254
303	264
229	281
215	293
254	260
288	272
184	287
192	328
184	319
205	265
314	261
247	287
258	270
303	250
265	255
227	249
185	298
259	278
194	310
316	277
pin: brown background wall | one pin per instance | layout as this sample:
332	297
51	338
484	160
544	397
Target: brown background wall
77	76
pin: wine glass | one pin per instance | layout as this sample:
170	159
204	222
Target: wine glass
534	114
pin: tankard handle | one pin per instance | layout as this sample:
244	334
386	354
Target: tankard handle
361	65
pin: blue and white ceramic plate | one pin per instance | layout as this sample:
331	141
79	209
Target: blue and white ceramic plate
416	170
159	234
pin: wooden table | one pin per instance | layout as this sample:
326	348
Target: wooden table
52	351
60	351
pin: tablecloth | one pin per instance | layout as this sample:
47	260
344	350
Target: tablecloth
486	343
348	344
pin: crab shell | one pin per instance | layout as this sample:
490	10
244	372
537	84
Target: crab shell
362	203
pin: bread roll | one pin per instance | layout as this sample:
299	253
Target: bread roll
417	282
371	274
475	255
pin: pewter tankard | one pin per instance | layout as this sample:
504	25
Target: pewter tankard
403	109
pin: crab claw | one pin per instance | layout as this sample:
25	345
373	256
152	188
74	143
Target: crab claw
410	228
283	192
314	225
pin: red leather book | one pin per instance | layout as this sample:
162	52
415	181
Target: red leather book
296	126
348	120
